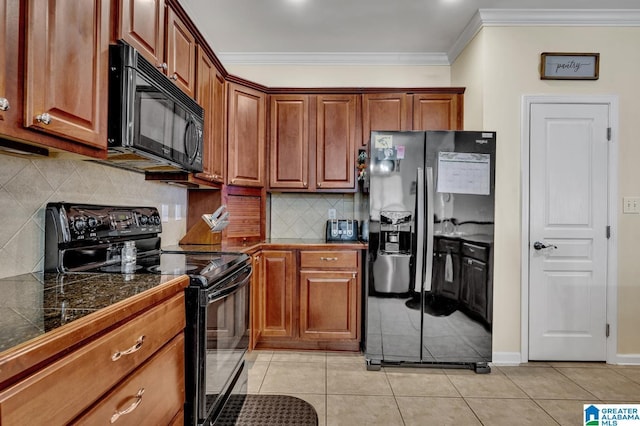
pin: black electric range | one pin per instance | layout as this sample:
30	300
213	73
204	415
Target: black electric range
92	238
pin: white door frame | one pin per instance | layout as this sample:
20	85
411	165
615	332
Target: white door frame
612	261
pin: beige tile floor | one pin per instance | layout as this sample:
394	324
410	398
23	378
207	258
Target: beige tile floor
343	392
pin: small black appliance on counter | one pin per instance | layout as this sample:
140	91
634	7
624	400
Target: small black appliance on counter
342	230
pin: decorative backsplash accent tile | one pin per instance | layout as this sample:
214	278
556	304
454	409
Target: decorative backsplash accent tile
27	185
305	215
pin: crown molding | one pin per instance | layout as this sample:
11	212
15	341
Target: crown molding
333	58
542	17
482	18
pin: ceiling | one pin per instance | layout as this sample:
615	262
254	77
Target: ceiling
394	31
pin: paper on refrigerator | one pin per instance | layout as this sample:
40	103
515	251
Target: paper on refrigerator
464	173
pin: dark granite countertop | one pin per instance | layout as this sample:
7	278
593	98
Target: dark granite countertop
34	304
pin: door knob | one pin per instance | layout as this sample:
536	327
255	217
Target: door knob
539	246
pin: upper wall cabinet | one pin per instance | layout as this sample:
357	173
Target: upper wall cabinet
437	111
67	56
289	142
336	130
141	24
385	111
181	54
246	136
312	142
162	38
411	111
211	96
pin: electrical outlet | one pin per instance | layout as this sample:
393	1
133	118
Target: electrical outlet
631	205
331	213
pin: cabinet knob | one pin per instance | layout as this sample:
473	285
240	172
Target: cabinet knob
162	66
43	118
304	184
174	77
4	104
319	184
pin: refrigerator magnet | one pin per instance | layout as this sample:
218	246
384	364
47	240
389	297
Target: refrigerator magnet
382	141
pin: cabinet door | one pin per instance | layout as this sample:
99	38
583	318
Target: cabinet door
256	301
181	54
385	111
67	57
210	95
328	305
335	141
449	280
289	142
141	25
246	136
277	287
474	284
441	111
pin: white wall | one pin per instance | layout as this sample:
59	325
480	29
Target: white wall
507	58
319	75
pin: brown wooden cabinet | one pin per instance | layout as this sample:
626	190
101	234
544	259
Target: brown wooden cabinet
277	293
312	142
246	136
411	111
385	111
141	24
336	130
161	37
255	300
66	81
329	294
310	304
437	111
289	142
180	54
211	96
137	343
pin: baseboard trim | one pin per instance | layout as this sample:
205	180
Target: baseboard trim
506	358
626	359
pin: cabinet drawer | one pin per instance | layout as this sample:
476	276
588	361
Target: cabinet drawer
451	246
475	252
62	390
152	394
329	259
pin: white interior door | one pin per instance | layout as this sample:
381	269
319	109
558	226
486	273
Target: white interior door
568	214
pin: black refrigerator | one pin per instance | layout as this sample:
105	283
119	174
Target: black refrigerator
429	277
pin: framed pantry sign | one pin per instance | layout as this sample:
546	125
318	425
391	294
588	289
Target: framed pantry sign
569	66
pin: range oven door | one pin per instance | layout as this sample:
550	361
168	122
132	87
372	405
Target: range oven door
222	336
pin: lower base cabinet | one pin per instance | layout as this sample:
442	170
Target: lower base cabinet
309	299
133	367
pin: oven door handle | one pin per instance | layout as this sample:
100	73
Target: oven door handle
231	285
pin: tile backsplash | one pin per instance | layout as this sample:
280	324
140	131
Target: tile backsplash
26	185
305	215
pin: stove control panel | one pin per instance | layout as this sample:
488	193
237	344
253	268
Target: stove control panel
77	222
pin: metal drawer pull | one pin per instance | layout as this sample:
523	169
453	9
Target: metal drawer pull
116	356
130	408
329	259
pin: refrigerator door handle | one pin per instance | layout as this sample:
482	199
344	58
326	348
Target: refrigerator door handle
419	221
429	235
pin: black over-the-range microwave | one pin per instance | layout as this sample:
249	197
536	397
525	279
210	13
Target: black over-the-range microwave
153	125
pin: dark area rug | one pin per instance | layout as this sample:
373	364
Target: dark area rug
434	305
254	410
